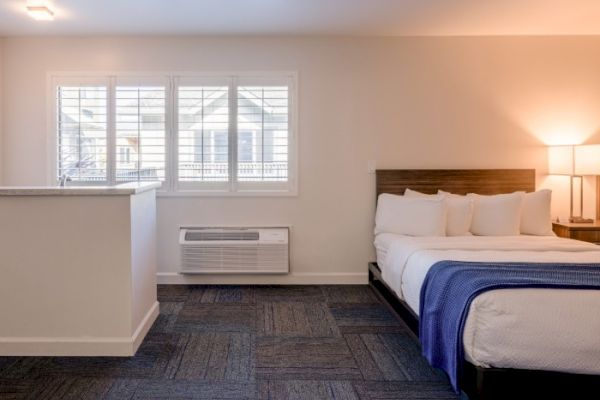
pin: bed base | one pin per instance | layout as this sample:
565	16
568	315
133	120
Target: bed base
499	383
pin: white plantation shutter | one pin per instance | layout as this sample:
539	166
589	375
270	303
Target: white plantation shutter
211	133
203	134
263	113
81	120
140	131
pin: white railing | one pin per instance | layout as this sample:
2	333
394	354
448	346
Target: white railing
249	170
98	175
193	171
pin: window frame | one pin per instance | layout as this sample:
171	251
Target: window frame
135	81
171	185
207	188
52	117
289	185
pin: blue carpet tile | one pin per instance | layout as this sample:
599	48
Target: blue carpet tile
248	342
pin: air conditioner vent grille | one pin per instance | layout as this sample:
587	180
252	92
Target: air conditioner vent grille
234	250
195	236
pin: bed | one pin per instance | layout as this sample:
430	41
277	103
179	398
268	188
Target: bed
511	336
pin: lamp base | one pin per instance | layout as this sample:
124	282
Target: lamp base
581	220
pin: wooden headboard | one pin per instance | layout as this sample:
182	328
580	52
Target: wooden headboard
459	181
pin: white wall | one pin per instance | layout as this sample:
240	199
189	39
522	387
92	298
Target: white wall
1	110
81	291
404	102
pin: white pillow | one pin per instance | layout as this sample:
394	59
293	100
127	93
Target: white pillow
459	215
536	217
410	216
498	215
459	211
413	193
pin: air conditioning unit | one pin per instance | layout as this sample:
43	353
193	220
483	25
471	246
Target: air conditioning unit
234	250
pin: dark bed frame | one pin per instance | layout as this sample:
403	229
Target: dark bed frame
477	382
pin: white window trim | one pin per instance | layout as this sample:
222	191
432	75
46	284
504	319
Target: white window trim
171	186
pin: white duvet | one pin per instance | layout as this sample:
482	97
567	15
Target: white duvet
544	329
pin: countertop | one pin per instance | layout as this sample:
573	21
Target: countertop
125	189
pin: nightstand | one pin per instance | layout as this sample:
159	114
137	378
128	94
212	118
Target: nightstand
586	232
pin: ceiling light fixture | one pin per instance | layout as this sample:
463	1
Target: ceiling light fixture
40	13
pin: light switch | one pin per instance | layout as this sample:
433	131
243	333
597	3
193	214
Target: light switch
371	166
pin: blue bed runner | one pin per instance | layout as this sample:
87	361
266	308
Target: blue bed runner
450	287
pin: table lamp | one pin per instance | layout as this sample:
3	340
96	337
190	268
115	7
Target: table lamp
576	162
587	163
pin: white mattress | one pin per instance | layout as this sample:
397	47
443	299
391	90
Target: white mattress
544	329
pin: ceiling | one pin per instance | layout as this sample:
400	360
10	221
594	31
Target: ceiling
307	17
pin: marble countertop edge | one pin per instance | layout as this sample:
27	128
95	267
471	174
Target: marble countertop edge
125	189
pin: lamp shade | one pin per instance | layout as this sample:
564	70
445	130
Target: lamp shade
561	160
587	159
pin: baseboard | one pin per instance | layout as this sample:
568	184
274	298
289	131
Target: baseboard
334	278
80	346
142	330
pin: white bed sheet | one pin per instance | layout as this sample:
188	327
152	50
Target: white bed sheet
383	242
509	328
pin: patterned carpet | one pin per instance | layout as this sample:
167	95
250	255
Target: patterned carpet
244	342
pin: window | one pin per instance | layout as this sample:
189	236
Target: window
82	133
124	155
246	146
218	134
203	134
263	124
140	133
